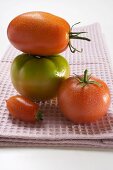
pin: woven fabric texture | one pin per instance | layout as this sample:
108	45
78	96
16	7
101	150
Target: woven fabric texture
55	129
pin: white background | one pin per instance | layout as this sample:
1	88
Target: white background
88	12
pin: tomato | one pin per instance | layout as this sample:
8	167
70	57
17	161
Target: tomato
83	99
23	109
41	33
38	78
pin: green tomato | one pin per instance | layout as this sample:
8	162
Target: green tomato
39	77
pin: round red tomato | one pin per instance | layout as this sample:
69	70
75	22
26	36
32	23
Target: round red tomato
83	99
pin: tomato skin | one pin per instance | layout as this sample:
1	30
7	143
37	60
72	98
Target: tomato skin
22	108
38	78
39	33
83	104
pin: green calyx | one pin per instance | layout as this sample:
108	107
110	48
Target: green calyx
85	79
39	115
75	35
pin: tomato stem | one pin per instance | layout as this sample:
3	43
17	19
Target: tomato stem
74	25
85	76
75	35
73	49
78	37
39	115
85	79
